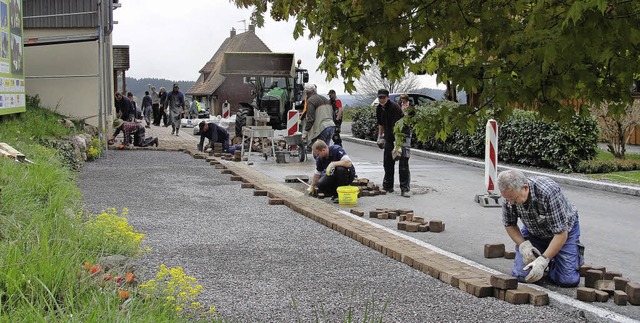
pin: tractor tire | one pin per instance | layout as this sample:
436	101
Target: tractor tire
241	120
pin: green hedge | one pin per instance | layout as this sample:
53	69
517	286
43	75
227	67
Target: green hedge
607	166
523	139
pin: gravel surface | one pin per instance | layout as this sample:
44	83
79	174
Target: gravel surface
262	263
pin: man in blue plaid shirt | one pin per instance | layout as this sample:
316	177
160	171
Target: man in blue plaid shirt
550	233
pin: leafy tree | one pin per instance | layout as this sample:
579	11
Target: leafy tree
537	54
372	81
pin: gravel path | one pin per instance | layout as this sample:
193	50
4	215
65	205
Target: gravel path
255	260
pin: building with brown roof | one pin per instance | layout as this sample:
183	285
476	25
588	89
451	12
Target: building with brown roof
214	88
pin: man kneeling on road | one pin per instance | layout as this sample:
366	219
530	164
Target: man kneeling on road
333	169
214	133
129	129
550	224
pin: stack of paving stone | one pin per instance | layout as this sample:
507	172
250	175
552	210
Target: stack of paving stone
367	188
411	223
600	285
237	155
497	250
259	144
407	221
217	149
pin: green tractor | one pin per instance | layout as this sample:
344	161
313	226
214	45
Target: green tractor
278	87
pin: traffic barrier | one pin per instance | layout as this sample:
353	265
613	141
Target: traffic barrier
293	116
226	110
491	157
491	199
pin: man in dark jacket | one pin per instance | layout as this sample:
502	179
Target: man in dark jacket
214	133
333	169
388	113
123	107
162	96
337	116
147	107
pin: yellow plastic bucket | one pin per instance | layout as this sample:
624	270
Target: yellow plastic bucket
348	195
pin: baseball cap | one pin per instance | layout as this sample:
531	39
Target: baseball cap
332	92
383	92
310	87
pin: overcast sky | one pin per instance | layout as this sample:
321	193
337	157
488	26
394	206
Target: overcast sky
174	39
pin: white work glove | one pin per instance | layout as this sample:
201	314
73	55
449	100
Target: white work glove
528	252
311	190
304	137
330	169
397	151
380	142
537	269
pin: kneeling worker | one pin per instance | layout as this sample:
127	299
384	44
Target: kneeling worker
134	129
550	235
333	169
214	133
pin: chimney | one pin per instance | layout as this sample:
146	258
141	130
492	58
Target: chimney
233	32
252	28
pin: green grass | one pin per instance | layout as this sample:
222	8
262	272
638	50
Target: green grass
44	240
628	177
605	155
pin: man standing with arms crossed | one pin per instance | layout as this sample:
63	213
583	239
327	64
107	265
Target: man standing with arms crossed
387	114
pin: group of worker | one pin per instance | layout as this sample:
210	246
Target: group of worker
549	239
547	242
129	117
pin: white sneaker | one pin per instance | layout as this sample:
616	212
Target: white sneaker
405	193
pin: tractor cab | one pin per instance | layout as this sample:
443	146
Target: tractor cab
278	86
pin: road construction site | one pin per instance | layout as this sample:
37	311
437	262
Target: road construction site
287	256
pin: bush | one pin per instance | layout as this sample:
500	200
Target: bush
523	139
526	139
365	125
94	150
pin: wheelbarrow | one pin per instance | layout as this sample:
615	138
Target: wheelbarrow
295	147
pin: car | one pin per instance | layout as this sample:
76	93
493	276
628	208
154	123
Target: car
414	99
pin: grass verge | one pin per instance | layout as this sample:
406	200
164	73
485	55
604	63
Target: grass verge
625	177
45	239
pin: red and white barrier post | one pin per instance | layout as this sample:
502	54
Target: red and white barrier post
226	110
491	157
293	118
490	166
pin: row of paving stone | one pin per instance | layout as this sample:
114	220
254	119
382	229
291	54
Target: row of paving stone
458	274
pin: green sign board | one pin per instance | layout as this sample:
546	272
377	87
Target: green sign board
12	90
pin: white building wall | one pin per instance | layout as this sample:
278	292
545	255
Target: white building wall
65	76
